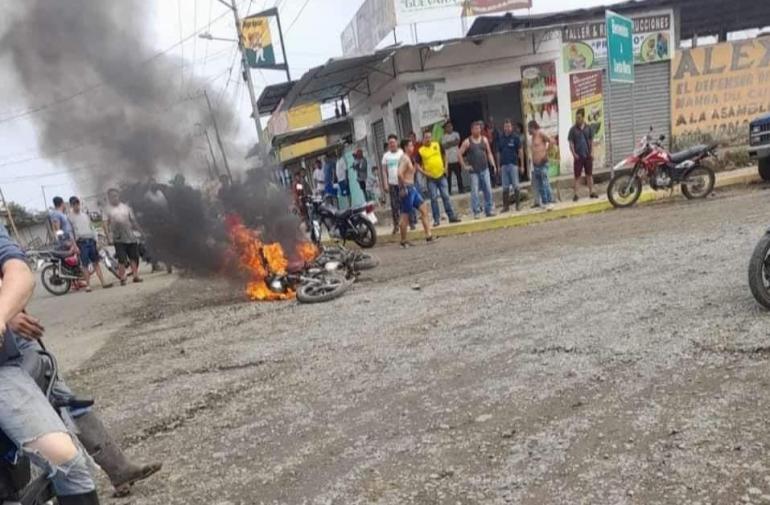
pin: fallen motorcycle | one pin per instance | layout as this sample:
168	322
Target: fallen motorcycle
759	271
17	485
651	162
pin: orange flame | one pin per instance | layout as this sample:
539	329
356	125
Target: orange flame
307	251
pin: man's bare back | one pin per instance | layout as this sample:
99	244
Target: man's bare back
540	144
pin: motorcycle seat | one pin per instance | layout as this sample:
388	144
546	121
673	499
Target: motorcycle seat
688	153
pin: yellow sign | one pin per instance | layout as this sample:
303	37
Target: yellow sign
717	90
257	41
301	148
304	115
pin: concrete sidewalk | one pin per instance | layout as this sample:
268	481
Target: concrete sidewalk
529	215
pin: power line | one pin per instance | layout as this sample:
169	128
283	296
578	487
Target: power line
297	16
92	87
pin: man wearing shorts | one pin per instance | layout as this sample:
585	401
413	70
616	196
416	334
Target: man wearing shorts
120	227
409	196
581	141
85	238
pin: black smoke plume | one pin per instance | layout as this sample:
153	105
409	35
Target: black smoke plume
117	114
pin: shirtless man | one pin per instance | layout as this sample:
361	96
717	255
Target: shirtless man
411	199
539	147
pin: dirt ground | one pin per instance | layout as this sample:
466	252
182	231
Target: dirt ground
610	359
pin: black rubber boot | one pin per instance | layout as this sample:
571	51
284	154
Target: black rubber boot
517	198
100	445
79	499
506	200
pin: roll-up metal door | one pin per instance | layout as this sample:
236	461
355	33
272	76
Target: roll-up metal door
635	107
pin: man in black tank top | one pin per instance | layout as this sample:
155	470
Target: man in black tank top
476	155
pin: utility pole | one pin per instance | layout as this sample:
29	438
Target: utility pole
10	217
211	150
219	138
247	77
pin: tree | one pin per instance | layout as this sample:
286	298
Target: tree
21	215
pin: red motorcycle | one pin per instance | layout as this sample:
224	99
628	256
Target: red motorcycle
651	162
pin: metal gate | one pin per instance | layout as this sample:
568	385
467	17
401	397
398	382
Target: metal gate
378	136
635	107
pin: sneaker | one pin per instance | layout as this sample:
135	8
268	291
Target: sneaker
477	216
575	198
594	196
431	240
394	232
412	227
536	205
436	224
455	220
505	209
406	245
491	214
549	207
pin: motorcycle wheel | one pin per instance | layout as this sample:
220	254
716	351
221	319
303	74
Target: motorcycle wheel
365	261
624	190
53	283
759	272
327	288
698	182
365	234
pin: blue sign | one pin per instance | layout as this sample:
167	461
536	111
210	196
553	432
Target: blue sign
620	48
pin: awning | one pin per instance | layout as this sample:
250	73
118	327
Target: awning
330	126
336	78
696	17
271	97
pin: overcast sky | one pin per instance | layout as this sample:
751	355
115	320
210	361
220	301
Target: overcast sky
312	36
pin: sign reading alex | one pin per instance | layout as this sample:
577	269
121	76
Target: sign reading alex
717	90
258	42
585	45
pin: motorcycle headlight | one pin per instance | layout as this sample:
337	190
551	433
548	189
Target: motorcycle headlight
276	285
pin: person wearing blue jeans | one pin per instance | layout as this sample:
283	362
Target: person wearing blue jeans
509	156
26	416
541	143
477	157
434	165
440	187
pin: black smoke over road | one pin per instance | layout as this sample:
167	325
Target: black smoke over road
116	112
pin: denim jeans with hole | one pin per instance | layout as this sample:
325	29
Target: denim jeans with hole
481	179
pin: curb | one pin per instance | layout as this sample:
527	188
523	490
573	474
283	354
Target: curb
562	211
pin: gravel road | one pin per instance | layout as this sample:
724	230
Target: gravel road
610	359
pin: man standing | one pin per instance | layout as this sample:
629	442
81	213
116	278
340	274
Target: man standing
477	158
435	167
342	178
581	140
541	143
493	135
361	167
410	198
120	228
318	178
390	162
59	220
509	159
451	144
85	238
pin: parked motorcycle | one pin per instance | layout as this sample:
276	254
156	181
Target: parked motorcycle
356	223
651	162
759	271
17	485
62	271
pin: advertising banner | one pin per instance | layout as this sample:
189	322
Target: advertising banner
717	90
258	42
586	96
483	7
620	48
374	20
540	103
298	149
585	44
428	102
304	115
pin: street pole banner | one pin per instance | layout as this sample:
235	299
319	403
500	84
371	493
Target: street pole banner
258	42
428	102
584	45
620	48
482	7
717	90
587	97
540	103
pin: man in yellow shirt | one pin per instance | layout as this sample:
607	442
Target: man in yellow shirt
434	165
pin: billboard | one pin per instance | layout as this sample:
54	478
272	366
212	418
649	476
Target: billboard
420	11
584	45
428	102
586	95
373	21
717	90
258	41
483	7
540	103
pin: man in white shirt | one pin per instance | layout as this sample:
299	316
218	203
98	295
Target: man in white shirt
451	144
342	177
318	178
85	237
390	161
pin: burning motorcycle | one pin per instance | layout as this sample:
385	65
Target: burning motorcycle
651	162
759	271
17	485
356	223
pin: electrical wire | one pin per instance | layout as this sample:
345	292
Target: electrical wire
301	10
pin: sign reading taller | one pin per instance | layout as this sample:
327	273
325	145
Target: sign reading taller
620	48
